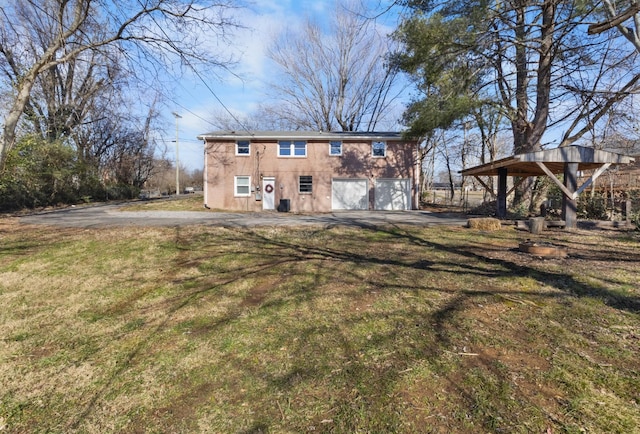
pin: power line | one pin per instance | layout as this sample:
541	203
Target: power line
191	112
195	71
244	127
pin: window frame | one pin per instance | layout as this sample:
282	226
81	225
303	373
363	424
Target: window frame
294	146
236	184
248	145
297	145
308	184
331	147
373	148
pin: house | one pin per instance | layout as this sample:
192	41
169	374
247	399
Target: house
309	171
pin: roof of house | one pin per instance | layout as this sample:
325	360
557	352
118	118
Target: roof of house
300	135
554	159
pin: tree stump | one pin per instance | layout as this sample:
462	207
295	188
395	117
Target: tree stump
536	225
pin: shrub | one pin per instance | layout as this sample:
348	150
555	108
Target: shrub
38	173
592	207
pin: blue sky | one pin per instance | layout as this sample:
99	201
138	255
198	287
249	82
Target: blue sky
198	104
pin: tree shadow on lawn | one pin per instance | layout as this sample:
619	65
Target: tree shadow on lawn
38	240
468	254
469	262
359	386
435	330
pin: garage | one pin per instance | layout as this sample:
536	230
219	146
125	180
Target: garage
349	194
393	194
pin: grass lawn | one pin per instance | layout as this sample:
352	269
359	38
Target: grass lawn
284	330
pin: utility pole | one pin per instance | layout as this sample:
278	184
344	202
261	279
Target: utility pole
177	116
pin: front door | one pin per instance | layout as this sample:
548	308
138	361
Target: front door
269	193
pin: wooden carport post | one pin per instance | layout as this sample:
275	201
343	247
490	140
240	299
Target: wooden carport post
501	205
569	203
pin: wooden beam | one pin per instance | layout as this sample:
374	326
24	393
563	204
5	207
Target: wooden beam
486	187
488	167
517	184
556	181
593	177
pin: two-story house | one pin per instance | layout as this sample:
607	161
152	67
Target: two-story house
309	171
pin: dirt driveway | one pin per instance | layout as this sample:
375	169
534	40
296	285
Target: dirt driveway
112	215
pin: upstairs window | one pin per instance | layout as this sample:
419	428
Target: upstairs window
284	149
305	184
335	148
300	149
379	149
292	148
243	147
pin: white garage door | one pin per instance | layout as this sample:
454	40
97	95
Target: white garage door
350	194
393	194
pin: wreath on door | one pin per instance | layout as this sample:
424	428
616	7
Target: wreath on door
268	188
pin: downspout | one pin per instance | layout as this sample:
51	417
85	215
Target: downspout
416	178
205	184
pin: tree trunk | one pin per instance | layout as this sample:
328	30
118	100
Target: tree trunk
12	119
520	125
543	86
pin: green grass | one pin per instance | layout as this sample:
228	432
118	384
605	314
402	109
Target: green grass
287	330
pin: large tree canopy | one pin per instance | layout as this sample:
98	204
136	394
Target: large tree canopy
445	75
533	59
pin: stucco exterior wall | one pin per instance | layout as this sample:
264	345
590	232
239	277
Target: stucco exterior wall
223	165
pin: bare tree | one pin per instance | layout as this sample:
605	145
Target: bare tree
265	118
620	19
337	79
64	95
86	103
144	32
117	147
450	158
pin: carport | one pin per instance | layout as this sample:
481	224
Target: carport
568	161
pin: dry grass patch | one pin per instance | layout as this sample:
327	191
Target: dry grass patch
184	202
485	224
332	330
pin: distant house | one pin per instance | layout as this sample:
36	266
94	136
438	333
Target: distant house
309	171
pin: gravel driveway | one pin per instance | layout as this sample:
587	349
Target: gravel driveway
113	215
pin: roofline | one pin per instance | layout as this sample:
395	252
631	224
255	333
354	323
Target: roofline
582	155
301	135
